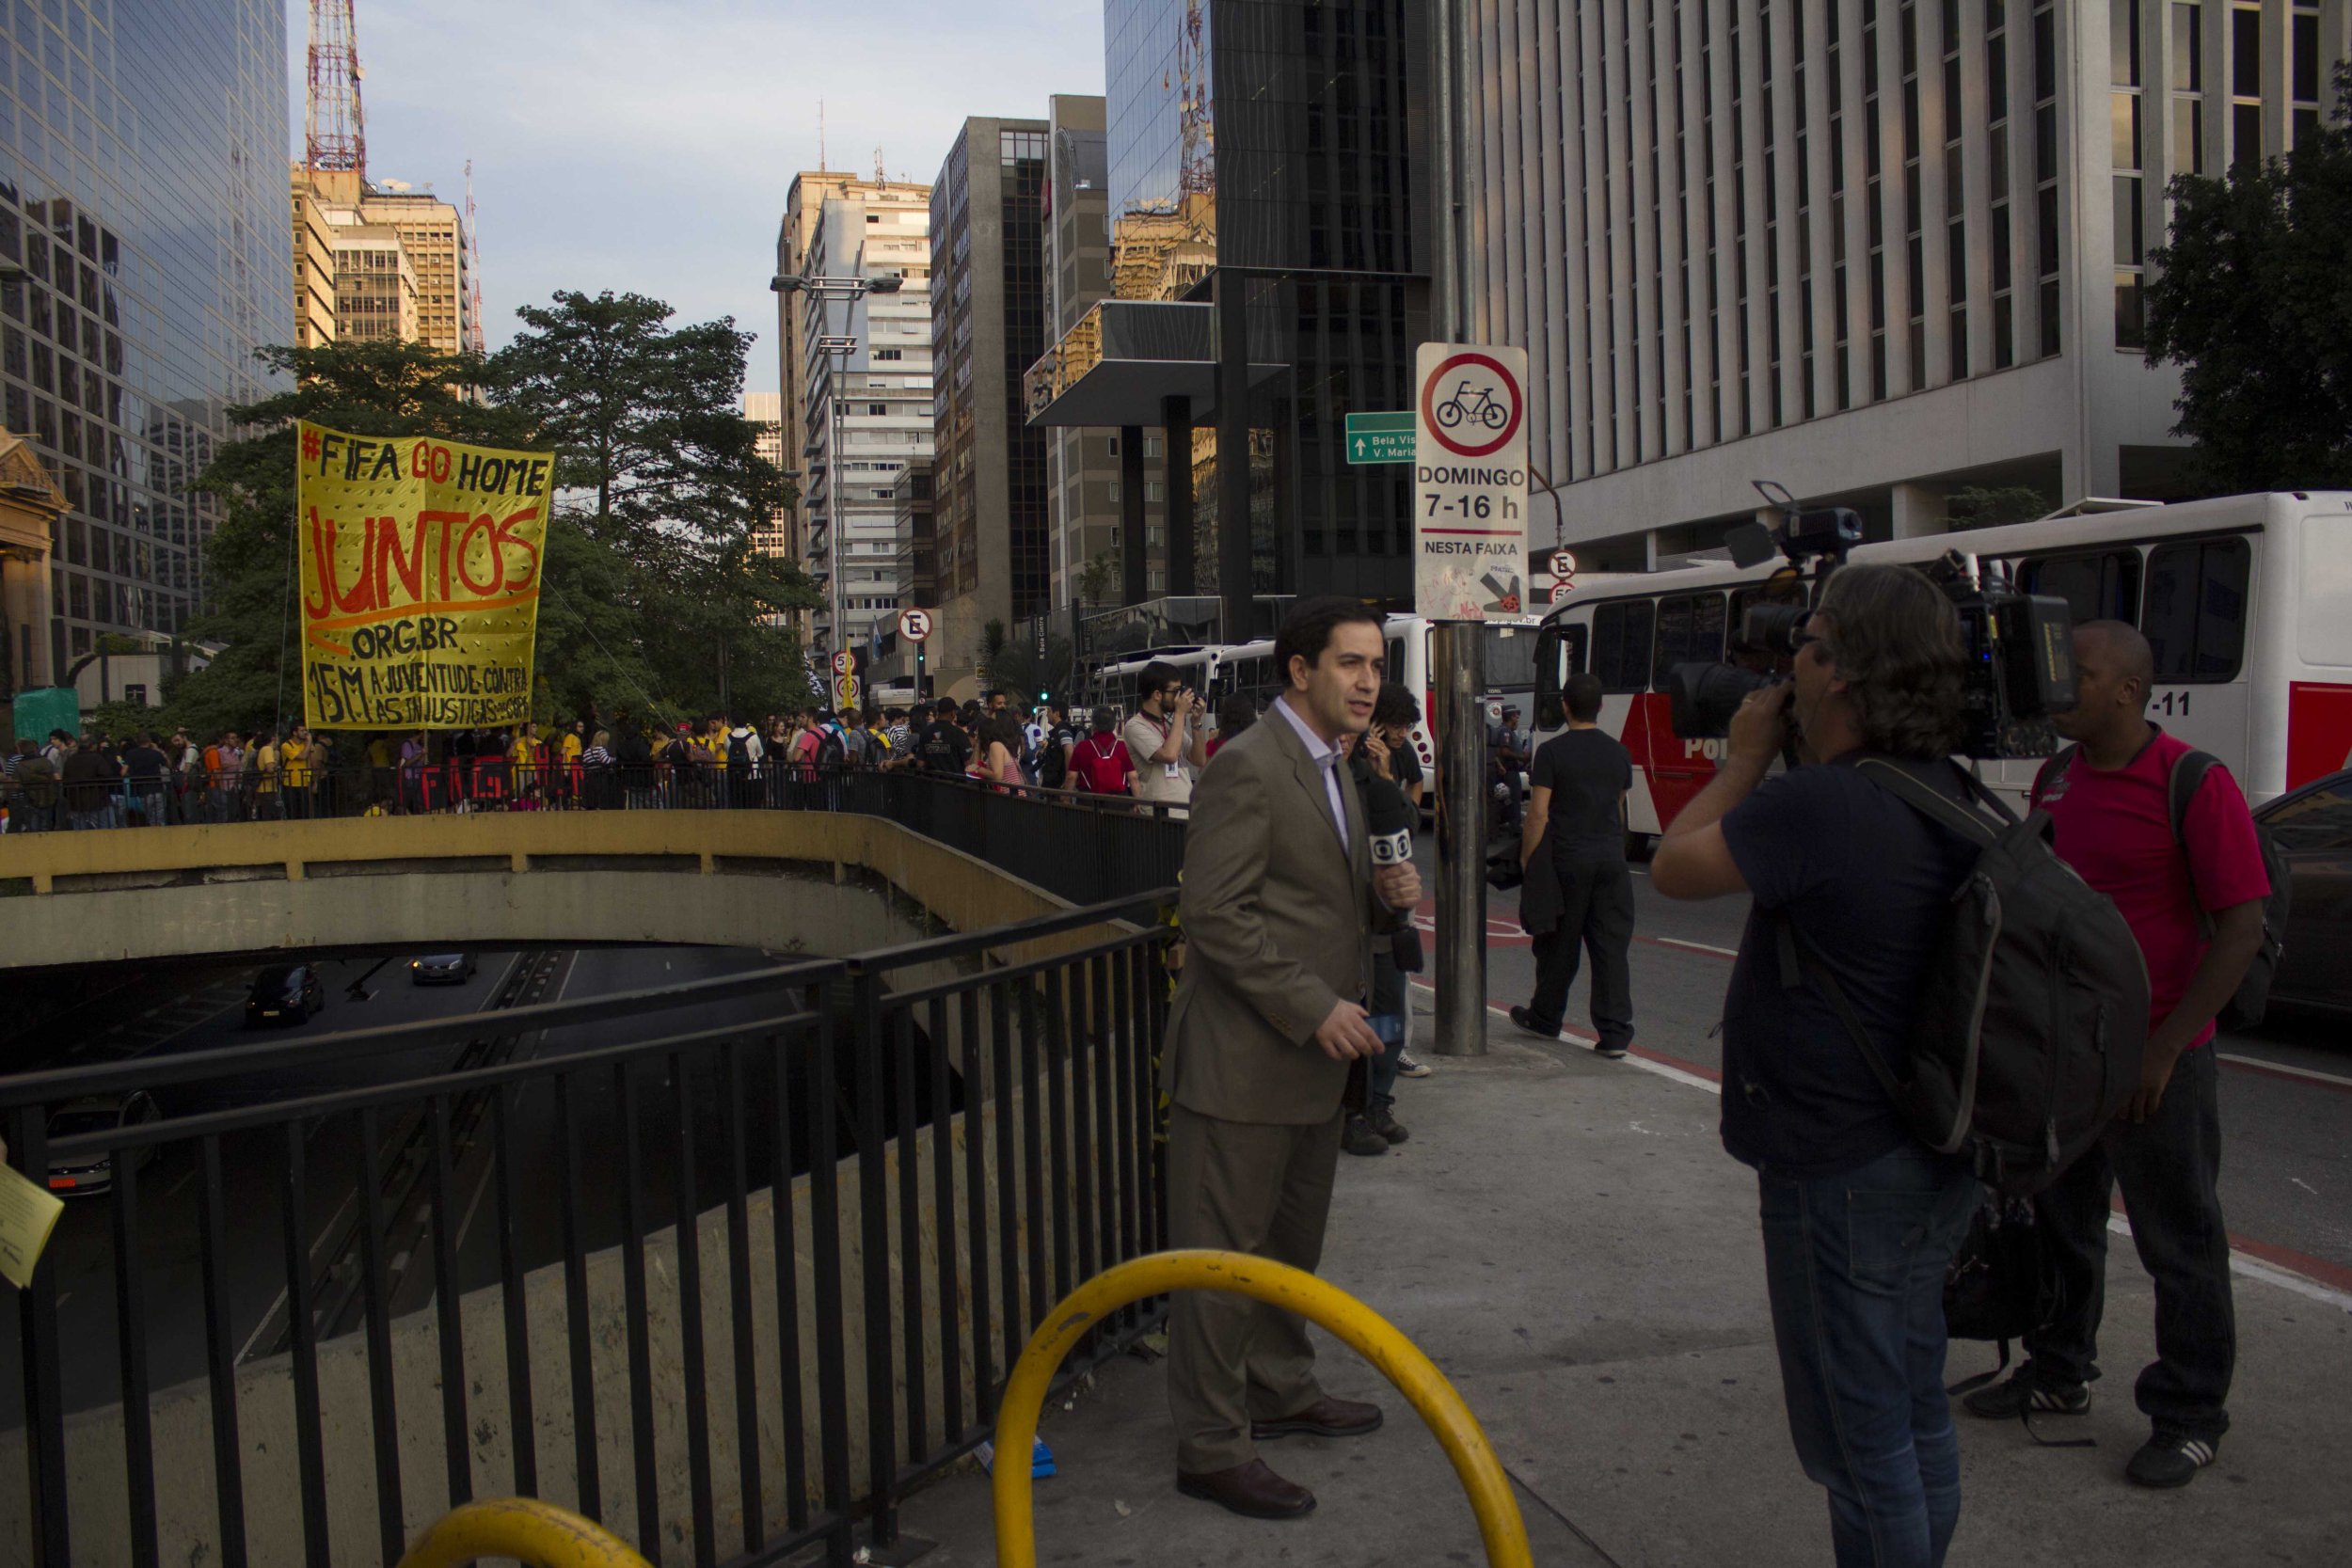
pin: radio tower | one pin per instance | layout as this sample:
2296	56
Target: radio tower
473	267
335	132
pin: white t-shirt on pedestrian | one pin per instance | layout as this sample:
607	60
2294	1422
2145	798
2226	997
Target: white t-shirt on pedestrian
1161	783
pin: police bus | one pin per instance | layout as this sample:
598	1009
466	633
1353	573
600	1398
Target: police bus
2246	601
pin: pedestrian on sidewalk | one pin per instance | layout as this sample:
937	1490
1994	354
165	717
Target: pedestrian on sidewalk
1164	737
1859	1218
1378	762
1577	893
2194	899
1280	908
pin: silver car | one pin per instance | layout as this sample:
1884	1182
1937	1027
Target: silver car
85	1175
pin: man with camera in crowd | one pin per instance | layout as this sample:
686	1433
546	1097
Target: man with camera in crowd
1859	1218
1164	737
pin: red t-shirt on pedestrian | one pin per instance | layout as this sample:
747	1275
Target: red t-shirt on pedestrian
2115	827
1101	763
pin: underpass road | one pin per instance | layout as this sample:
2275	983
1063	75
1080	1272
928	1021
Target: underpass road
2286	1088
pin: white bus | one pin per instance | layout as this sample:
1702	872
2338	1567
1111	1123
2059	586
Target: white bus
2246	601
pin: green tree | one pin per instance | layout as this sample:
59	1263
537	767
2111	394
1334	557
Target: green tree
367	389
655	590
2252	297
1988	506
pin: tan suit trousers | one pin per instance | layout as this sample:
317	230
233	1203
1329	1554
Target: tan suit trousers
1263	1189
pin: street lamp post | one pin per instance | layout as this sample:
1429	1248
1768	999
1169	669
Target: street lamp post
839	347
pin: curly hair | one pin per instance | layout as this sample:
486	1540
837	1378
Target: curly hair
1895	640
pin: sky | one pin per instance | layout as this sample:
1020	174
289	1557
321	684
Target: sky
647	145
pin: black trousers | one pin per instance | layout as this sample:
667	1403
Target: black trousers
2167	1168
1595	919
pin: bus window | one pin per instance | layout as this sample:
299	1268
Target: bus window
1580	649
1395	671
1510	659
2194	616
2097	585
1621	644
1690	632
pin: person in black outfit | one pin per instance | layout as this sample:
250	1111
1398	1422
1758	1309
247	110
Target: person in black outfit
1579	893
943	748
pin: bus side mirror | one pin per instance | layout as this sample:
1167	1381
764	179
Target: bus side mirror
1551	677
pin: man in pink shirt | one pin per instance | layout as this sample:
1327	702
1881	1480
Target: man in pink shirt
2194	902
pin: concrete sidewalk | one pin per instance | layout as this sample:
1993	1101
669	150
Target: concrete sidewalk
1566	1239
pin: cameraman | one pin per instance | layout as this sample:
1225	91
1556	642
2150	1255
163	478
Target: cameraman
1859	1219
1164	737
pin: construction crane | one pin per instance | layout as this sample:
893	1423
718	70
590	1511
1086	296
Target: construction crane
335	133
473	269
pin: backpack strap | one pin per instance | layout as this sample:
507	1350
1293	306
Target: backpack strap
2181	787
1937	807
2052	772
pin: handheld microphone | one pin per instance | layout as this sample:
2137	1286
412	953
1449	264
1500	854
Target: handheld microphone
1389	823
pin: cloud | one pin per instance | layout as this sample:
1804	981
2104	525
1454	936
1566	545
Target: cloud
647	145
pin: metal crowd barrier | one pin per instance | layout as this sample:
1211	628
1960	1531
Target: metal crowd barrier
973	1118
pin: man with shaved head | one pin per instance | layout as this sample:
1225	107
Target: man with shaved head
2194	899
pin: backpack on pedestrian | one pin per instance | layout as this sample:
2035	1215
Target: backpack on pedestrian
2244	1008
739	752
831	753
2033	1012
1053	764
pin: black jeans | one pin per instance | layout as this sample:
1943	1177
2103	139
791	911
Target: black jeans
1596	918
2167	1168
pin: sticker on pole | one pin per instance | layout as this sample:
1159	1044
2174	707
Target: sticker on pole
1470	468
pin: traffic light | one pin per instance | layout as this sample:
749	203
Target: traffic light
1044	696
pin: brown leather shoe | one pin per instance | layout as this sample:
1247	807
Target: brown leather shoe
1326	1417
1252	1490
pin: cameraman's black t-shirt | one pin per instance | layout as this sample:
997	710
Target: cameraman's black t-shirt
1867	881
1588	773
943	748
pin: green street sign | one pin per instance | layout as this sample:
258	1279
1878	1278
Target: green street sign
1380	438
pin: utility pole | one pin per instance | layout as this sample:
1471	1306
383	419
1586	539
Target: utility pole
1456	648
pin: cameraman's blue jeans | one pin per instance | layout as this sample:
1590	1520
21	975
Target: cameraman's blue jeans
1855	1266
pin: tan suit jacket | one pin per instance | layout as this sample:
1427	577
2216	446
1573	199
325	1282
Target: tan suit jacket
1277	918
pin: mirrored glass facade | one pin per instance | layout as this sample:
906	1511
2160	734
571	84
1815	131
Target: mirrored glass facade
142	195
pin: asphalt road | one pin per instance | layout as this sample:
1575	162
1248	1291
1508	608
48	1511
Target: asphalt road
2286	1089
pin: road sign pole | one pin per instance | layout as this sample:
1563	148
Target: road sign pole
1457	650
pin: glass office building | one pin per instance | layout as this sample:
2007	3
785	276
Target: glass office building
142	261
1288	139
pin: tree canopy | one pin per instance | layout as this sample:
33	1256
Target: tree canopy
653	597
2253	298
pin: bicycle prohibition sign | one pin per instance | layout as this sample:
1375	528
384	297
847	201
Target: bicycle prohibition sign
1471	404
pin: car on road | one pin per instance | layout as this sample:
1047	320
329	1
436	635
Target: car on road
441	969
2313	828
86	1175
284	993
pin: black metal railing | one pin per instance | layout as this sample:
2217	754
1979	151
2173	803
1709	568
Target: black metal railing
1081	848
944	1137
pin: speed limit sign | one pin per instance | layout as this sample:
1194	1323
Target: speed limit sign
845	663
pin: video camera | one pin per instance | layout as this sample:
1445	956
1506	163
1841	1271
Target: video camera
2020	646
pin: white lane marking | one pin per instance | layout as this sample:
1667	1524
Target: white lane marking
2311	1074
2305	1186
2270	1273
1663	1069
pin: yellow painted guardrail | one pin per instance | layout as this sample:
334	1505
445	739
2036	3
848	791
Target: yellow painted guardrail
1365	1331
523	1528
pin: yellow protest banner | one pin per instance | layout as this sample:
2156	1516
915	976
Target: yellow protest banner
420	562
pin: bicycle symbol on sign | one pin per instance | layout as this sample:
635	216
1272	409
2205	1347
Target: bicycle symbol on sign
1484	407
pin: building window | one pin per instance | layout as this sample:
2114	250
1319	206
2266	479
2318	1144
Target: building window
2189	89
2245	84
2124	102
2046	174
2305	66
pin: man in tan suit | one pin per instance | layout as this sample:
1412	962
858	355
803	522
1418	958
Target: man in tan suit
1279	905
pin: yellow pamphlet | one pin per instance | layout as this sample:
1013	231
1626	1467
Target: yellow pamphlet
28	1215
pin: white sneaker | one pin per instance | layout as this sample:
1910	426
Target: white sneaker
1409	1066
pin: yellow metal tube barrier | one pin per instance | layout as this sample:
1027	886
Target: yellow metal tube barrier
1365	1331
523	1528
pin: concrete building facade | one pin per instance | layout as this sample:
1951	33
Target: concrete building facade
866	406
336	211
988	326
766	411
375	282
837	225
143	224
1877	250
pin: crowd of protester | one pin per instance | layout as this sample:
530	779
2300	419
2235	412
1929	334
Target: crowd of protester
603	761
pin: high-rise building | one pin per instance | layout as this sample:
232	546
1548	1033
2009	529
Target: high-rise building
348	213
1269	153
865	381
766	411
1877	250
1082	476
144	236
988	326
917	541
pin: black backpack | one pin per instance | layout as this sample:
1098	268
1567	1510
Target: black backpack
2244	1009
739	752
2033	1011
829	751
1052	761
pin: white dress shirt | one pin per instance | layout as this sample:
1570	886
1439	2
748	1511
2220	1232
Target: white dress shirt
1326	757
